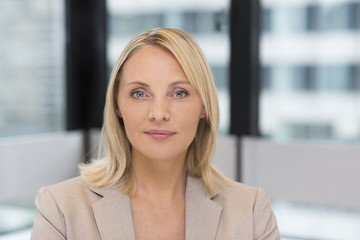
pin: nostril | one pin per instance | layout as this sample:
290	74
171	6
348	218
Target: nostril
159	116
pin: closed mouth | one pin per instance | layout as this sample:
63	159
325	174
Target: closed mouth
160	132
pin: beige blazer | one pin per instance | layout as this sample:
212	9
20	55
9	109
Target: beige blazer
75	211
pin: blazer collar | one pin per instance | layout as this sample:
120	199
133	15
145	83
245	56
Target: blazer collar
202	213
113	215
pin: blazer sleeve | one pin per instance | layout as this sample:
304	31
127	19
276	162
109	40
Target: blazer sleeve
48	222
265	226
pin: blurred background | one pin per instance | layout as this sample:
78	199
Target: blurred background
288	81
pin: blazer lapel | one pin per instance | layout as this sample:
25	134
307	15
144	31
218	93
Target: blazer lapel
202	214
114	220
113	215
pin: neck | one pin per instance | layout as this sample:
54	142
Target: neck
159	179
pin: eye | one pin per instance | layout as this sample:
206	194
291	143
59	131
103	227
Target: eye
180	94
138	94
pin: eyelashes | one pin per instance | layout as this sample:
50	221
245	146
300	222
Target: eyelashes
138	94
180	94
142	93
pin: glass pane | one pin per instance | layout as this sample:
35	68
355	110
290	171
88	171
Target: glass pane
31	66
205	20
310	60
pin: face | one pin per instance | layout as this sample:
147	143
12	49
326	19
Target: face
159	107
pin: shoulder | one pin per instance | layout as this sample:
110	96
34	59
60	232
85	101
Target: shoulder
238	192
64	210
249	207
243	198
54	202
71	193
73	184
65	188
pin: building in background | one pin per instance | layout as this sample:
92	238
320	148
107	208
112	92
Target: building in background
309	53
310	58
32	72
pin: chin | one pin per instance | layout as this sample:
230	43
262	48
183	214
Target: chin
163	154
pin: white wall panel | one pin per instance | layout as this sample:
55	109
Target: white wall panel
327	174
27	163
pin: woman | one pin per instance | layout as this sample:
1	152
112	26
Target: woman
154	179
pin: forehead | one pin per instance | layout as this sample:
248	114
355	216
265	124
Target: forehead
150	62
148	54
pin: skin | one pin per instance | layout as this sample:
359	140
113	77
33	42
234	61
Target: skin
161	112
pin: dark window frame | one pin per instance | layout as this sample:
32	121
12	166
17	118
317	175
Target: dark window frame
244	67
85	63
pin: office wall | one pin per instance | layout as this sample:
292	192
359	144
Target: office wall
314	173
27	163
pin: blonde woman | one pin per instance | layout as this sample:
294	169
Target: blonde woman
154	179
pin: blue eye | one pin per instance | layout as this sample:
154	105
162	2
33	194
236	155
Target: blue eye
180	94
138	94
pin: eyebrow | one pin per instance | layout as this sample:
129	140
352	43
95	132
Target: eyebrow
172	84
180	82
138	83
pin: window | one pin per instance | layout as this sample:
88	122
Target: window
354	15
310	60
353	83
31	66
304	78
266	78
310	131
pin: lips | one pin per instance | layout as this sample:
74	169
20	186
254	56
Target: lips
160	134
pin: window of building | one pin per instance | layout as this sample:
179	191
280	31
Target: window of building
304	78
353	83
266	78
31	66
314	73
312	17
310	131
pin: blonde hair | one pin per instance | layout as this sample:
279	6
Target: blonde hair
113	165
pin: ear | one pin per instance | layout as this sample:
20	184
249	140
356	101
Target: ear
118	113
203	113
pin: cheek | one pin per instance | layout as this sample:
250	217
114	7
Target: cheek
131	118
131	131
131	112
189	117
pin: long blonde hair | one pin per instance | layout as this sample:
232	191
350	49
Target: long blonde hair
113	165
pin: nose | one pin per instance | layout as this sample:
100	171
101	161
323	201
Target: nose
160	110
